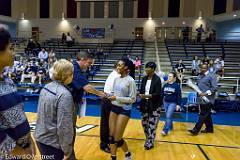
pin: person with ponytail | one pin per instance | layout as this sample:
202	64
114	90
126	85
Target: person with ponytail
123	96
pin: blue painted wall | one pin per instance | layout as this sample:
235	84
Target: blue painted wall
229	30
12	28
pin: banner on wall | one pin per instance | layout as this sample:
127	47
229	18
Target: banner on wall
93	32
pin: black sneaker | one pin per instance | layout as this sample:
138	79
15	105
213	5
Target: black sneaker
105	148
193	132
148	147
207	131
128	156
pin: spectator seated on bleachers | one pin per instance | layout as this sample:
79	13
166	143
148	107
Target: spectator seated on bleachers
30	71
195	66
180	69
51	58
41	73
100	53
43	54
211	67
7	74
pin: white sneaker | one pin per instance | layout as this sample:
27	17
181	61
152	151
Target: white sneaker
163	133
129	157
213	111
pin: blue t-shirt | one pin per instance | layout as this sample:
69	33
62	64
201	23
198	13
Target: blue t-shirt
79	81
172	93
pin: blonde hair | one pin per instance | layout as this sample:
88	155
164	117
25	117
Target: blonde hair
61	70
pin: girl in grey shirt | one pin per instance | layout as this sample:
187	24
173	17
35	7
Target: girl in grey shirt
54	129
124	95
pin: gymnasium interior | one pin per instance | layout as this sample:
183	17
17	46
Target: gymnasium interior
160	31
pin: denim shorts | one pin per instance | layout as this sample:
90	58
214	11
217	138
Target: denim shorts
119	110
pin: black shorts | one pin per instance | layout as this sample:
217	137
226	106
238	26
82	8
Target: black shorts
119	110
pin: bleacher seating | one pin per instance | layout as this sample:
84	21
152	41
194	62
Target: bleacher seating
230	50
101	68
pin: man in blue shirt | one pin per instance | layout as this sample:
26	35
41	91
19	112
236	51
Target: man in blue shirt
80	82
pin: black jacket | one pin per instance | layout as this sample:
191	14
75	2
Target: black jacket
155	90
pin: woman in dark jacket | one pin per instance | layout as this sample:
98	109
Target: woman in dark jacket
150	94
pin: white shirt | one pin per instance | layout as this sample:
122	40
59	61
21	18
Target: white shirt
69	38
43	55
16	63
194	64
147	87
222	63
108	87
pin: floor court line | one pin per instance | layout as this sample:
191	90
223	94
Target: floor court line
140	139
202	151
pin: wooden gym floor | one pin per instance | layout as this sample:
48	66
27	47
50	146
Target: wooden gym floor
223	144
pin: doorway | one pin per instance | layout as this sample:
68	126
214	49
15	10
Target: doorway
139	32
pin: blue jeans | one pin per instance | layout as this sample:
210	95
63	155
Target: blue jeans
169	109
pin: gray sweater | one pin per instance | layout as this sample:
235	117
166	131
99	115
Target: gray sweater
125	91
55	117
207	83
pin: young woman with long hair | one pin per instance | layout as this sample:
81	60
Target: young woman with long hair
124	95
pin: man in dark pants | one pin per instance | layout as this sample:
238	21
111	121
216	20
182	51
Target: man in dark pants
104	125
105	111
81	84
207	83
